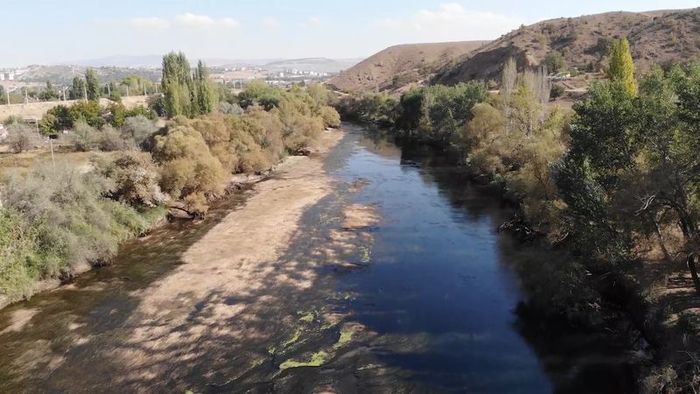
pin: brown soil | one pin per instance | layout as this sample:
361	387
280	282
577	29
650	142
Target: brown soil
658	37
401	65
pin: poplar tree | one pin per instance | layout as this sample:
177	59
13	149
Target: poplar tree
92	85
621	68
76	91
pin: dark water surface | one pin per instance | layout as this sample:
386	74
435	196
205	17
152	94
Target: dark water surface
438	295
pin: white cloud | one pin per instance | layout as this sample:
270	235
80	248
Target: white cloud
271	23
149	23
192	20
228	22
451	21
187	19
312	21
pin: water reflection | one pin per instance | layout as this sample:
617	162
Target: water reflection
438	299
441	294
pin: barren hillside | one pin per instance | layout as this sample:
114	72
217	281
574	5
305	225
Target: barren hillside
657	37
401	65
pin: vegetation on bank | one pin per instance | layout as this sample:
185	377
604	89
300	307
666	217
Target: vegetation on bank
56	216
613	179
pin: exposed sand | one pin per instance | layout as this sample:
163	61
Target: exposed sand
237	259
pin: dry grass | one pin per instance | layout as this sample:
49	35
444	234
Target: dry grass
655	38
23	162
401	65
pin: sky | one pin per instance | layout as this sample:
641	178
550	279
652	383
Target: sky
53	31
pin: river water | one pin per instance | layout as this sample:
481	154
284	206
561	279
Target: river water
436	298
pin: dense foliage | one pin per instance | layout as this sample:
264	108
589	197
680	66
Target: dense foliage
186	92
59	217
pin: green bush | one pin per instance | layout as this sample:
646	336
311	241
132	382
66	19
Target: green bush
55	218
135	178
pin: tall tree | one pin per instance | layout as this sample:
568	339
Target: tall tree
177	84
621	66
92	85
77	90
205	94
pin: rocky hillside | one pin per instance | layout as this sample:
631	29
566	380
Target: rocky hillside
658	37
401	65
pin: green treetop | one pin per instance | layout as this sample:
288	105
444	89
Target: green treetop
622	66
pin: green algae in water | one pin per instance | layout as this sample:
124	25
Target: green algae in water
293	339
317	359
308	317
345	338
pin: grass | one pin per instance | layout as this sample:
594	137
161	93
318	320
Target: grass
25	161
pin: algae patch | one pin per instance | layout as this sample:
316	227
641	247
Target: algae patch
345	337
293	339
317	359
308	317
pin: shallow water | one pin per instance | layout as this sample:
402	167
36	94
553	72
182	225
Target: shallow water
437	301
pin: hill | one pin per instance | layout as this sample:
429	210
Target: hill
657	37
401	65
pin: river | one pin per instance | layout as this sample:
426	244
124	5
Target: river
432	302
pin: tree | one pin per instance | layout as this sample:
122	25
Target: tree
92	85
49	93
77	90
602	149
177	85
554	62
206	97
621	67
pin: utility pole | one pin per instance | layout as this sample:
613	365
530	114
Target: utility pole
127	90
7	93
109	89
26	97
85	91
53	161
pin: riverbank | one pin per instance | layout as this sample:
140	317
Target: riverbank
366	268
236	183
216	276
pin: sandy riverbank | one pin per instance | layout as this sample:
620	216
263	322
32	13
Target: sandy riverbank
228	277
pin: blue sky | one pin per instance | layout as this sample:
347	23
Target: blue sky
51	31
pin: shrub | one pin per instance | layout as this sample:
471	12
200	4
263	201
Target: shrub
556	91
554	62
135	178
110	140
138	128
330	116
230	109
55	218
55	120
83	137
21	137
89	112
187	165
